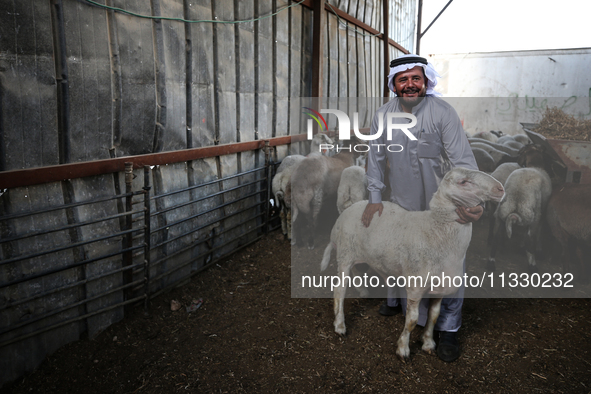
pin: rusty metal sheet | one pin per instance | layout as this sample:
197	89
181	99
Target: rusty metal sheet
574	155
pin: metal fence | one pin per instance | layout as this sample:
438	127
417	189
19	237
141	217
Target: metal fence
66	273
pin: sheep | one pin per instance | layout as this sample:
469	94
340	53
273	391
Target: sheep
568	216
496	154
536	155
501	173
352	187
484	160
280	185
505	138
501	147
520	138
532	156
524	139
314	180
487	135
411	244
361	161
527	194
513	144
317	140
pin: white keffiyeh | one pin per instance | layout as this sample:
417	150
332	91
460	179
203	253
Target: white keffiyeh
430	73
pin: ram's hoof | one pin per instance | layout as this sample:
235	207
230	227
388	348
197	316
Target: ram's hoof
403	354
404	359
431	352
340	329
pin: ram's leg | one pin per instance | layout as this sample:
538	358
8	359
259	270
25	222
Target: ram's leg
494	240
288	224
530	249
283	222
292	227
339	299
428	342
412	316
315	206
491	222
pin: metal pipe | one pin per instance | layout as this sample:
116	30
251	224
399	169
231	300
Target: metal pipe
147	242
190	188
386	47
437	17
68	227
318	33
56	270
159	261
128	239
203	198
64	206
419	20
10	304
66	307
267	200
166	226
63	323
30	256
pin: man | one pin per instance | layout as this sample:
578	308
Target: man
417	169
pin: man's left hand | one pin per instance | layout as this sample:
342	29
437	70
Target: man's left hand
469	215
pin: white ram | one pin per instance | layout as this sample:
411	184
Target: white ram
411	244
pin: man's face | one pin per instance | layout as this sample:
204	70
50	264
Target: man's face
410	85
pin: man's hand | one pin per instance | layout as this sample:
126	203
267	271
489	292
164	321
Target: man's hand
468	215
370	210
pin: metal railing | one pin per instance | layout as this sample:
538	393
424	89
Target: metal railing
140	245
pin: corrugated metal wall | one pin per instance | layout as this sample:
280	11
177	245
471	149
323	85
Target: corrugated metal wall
80	83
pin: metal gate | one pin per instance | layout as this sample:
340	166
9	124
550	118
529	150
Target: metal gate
71	268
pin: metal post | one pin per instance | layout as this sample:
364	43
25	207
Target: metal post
268	172
319	25
128	243
420	16
386	19
147	212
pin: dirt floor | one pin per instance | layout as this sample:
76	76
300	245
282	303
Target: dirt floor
251	336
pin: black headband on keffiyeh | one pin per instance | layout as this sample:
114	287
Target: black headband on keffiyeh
405	60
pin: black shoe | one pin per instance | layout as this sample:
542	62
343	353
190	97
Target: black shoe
448	348
386	310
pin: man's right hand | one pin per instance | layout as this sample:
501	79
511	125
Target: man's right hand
370	210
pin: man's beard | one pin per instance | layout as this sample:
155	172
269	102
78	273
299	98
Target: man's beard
411	101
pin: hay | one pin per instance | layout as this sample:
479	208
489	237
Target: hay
555	124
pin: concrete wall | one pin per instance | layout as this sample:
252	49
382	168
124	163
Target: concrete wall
500	89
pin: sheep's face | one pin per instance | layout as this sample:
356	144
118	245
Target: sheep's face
532	155
469	188
319	139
